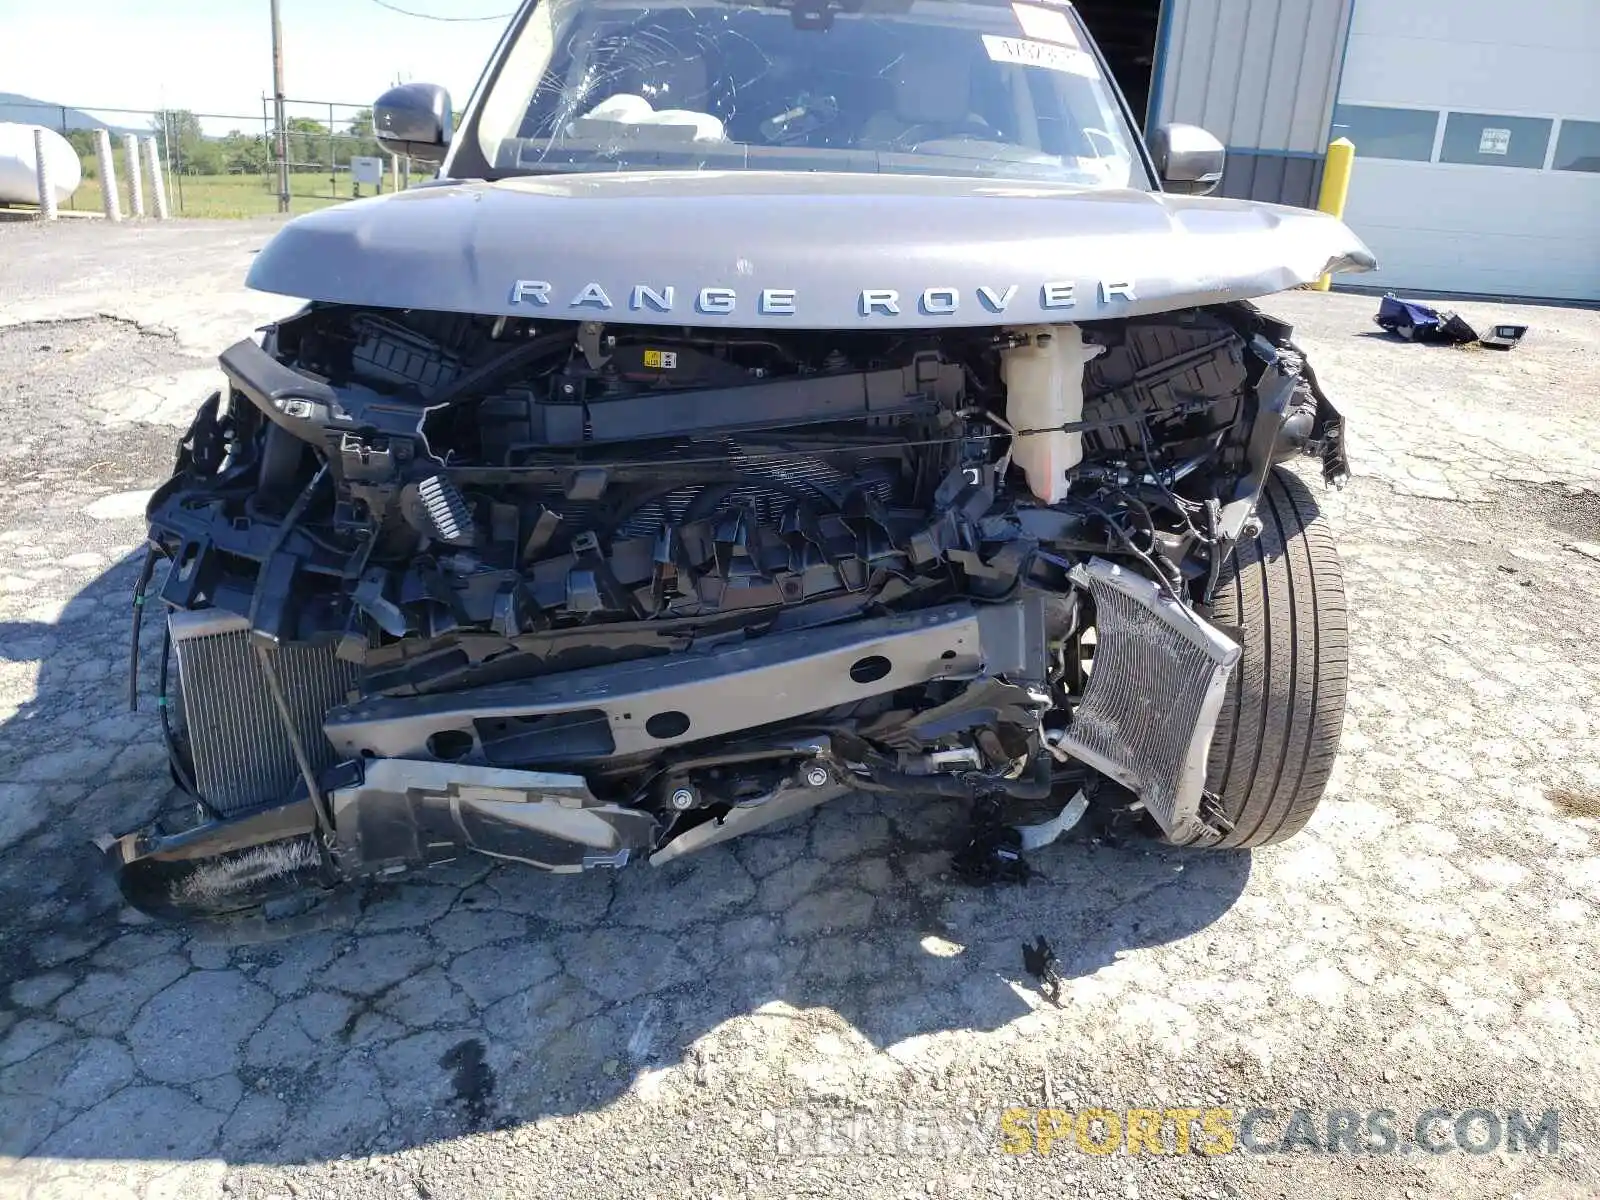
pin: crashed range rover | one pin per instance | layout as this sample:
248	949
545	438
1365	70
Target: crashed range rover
767	401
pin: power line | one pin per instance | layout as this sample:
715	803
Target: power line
406	12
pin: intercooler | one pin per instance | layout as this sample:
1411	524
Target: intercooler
1151	703
242	756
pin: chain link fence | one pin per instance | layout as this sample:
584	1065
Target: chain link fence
226	164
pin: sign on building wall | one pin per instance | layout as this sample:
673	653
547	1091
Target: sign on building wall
1494	141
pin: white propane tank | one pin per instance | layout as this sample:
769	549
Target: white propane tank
1044	391
19	177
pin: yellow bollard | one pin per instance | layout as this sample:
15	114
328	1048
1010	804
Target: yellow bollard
1336	187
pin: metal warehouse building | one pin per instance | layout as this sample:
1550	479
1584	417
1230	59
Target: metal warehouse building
1476	122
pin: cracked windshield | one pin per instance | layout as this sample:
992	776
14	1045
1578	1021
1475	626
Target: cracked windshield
924	87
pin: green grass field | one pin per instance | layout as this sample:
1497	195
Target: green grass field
224	195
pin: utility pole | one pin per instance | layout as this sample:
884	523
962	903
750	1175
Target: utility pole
277	110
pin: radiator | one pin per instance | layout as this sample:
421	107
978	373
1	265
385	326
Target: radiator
1151	703
242	756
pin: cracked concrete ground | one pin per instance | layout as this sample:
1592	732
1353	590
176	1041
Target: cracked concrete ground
1430	941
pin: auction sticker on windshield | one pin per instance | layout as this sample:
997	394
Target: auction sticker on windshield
1040	54
1045	24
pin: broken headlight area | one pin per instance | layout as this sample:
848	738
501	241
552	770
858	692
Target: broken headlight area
575	595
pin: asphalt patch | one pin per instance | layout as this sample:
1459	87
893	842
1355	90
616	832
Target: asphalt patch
1572	511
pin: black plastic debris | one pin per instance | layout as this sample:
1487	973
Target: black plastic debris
1503	337
991	855
990	851
1417	322
1039	960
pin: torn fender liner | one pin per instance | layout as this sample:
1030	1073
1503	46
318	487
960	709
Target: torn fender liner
395	813
1072	254
601	712
1151	705
219	866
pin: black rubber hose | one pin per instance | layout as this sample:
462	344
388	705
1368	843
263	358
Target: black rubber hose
1160	579
487	373
281	535
138	624
956	787
916	785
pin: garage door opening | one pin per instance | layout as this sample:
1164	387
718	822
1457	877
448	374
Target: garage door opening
1126	31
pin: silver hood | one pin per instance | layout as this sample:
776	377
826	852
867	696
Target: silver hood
810	251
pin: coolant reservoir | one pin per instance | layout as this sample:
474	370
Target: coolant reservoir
1044	391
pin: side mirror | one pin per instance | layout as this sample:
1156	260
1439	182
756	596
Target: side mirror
414	119
1188	160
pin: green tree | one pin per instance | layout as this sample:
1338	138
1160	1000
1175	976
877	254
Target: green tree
178	124
82	141
245	154
309	143
359	137
184	144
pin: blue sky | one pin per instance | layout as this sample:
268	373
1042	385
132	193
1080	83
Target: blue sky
215	56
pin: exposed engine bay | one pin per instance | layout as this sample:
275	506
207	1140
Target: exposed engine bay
573	593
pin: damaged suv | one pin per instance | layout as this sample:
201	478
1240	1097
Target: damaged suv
770	399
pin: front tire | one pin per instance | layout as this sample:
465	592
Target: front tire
1282	598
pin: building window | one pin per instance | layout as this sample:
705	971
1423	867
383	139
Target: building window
1490	140
1387	132
1578	147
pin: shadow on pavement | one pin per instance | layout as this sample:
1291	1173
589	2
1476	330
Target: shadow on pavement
484	995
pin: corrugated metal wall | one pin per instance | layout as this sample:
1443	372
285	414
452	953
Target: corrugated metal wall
1262	76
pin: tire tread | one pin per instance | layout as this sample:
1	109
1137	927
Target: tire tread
1278	730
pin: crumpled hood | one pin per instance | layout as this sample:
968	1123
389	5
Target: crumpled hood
816	251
